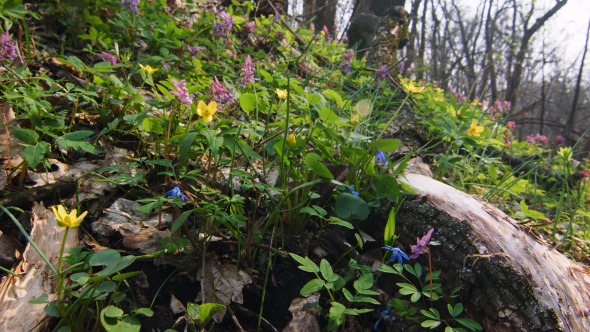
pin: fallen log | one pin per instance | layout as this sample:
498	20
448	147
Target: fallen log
512	279
16	314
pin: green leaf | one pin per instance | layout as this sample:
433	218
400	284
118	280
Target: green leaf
124	276
112	311
456	311
107	286
306	264
26	135
363	283
152	125
77	135
389	231
193	310
144	311
248	102
314	162
185	146
326	270
180	220
431	324
336	315
385	145
333	96
351	206
208	310
105	257
118	266
35	153
52	309
39	300
312	286
386	186
469	323
112	324
340	222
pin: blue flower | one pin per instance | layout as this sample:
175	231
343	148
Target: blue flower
380	157
175	192
353	191
384	315
396	253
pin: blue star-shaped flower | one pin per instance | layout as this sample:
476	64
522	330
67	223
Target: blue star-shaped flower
385	316
396	253
380	158
175	192
353	191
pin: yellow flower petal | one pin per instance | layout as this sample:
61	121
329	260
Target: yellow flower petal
148	69
474	129
64	219
282	94
291	139
206	111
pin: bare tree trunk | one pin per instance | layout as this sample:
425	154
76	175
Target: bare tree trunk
323	10
420	62
411	48
515	77
490	66
569	127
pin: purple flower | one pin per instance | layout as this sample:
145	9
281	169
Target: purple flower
326	34
560	140
248	68
418	249
250	26
345	65
380	157
511	125
541	139
175	192
131	5
108	57
7	47
182	92
382	74
220	93
193	51
220	29
353	191
396	254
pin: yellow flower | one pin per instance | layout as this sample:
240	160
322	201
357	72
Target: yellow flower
323	32
148	69
206	111
475	102
412	87
474	130
354	120
282	93
67	220
291	139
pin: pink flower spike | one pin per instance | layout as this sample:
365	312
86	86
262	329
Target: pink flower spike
418	249
182	92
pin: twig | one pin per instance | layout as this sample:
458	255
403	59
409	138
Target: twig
235	319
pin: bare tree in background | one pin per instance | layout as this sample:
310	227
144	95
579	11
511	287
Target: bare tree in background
324	12
515	72
572	116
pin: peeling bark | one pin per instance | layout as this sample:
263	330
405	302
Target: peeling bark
511	278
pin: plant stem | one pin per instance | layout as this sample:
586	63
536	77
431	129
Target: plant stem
430	271
60	277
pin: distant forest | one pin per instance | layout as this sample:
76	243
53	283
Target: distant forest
492	50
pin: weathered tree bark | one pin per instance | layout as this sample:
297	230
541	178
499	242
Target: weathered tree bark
511	278
16	314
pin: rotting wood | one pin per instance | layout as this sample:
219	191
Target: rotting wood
16	314
512	280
